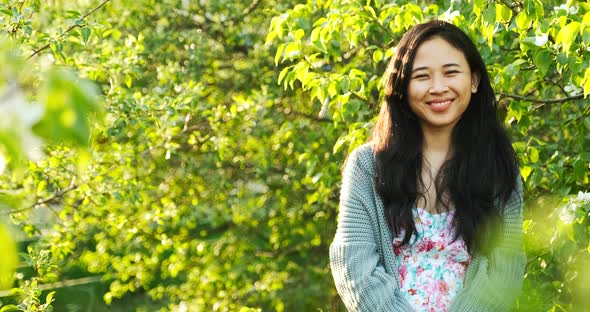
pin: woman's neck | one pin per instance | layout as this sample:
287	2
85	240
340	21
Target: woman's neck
437	144
436	150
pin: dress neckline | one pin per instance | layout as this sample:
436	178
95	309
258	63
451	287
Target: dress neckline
444	213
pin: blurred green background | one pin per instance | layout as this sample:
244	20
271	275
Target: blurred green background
182	155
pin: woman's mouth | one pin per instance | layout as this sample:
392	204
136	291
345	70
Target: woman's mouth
439	105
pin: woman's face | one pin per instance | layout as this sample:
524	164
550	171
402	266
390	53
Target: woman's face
440	85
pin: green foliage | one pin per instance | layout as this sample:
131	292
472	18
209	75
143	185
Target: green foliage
537	58
209	177
29	291
39	103
9	260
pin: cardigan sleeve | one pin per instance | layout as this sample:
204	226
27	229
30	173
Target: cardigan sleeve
360	278
498	280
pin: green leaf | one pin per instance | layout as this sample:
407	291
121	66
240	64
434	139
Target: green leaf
533	154
7	12
339	144
332	89
307	79
567	35
586	36
315	34
519	147
320	22
12	146
587	82
377	56
539	9
503	13
276	27
85	34
489	15
523	21
371	11
128	80
525	172
478	6
279	53
562	58
291	50
322	94
9	308
270	36
543	60
283	73
41	186
580	168
320	45
69	102
580	233
345	84
10	200
517	110
530	8
9	258
299	34
389	52
49	298
73	14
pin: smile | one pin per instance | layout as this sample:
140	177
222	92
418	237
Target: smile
440	105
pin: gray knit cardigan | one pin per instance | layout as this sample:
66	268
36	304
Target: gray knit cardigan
363	263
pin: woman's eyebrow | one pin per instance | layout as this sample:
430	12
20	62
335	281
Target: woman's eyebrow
419	68
445	66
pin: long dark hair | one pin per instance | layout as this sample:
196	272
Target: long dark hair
481	174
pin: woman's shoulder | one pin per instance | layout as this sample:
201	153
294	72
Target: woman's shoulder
363	157
364	150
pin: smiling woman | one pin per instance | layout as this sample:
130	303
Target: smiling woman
431	208
441	85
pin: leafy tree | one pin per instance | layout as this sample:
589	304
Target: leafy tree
39	103
537	55
212	181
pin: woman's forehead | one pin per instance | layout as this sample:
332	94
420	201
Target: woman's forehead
437	52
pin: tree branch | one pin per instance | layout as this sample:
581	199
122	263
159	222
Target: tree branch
557	85
55	196
376	21
305	115
513	6
69	29
60	284
584	113
535	100
250	8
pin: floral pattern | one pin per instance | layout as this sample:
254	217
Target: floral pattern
432	266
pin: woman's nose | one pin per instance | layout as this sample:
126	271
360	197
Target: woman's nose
438	85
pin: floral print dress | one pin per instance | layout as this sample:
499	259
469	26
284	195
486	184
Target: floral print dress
431	266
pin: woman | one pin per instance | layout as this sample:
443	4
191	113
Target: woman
431	209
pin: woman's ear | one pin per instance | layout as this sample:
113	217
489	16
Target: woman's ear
475	77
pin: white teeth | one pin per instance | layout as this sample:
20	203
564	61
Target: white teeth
440	103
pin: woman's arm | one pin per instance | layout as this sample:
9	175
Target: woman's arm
360	279
498	280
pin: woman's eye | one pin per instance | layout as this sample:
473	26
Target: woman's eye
422	76
452	72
